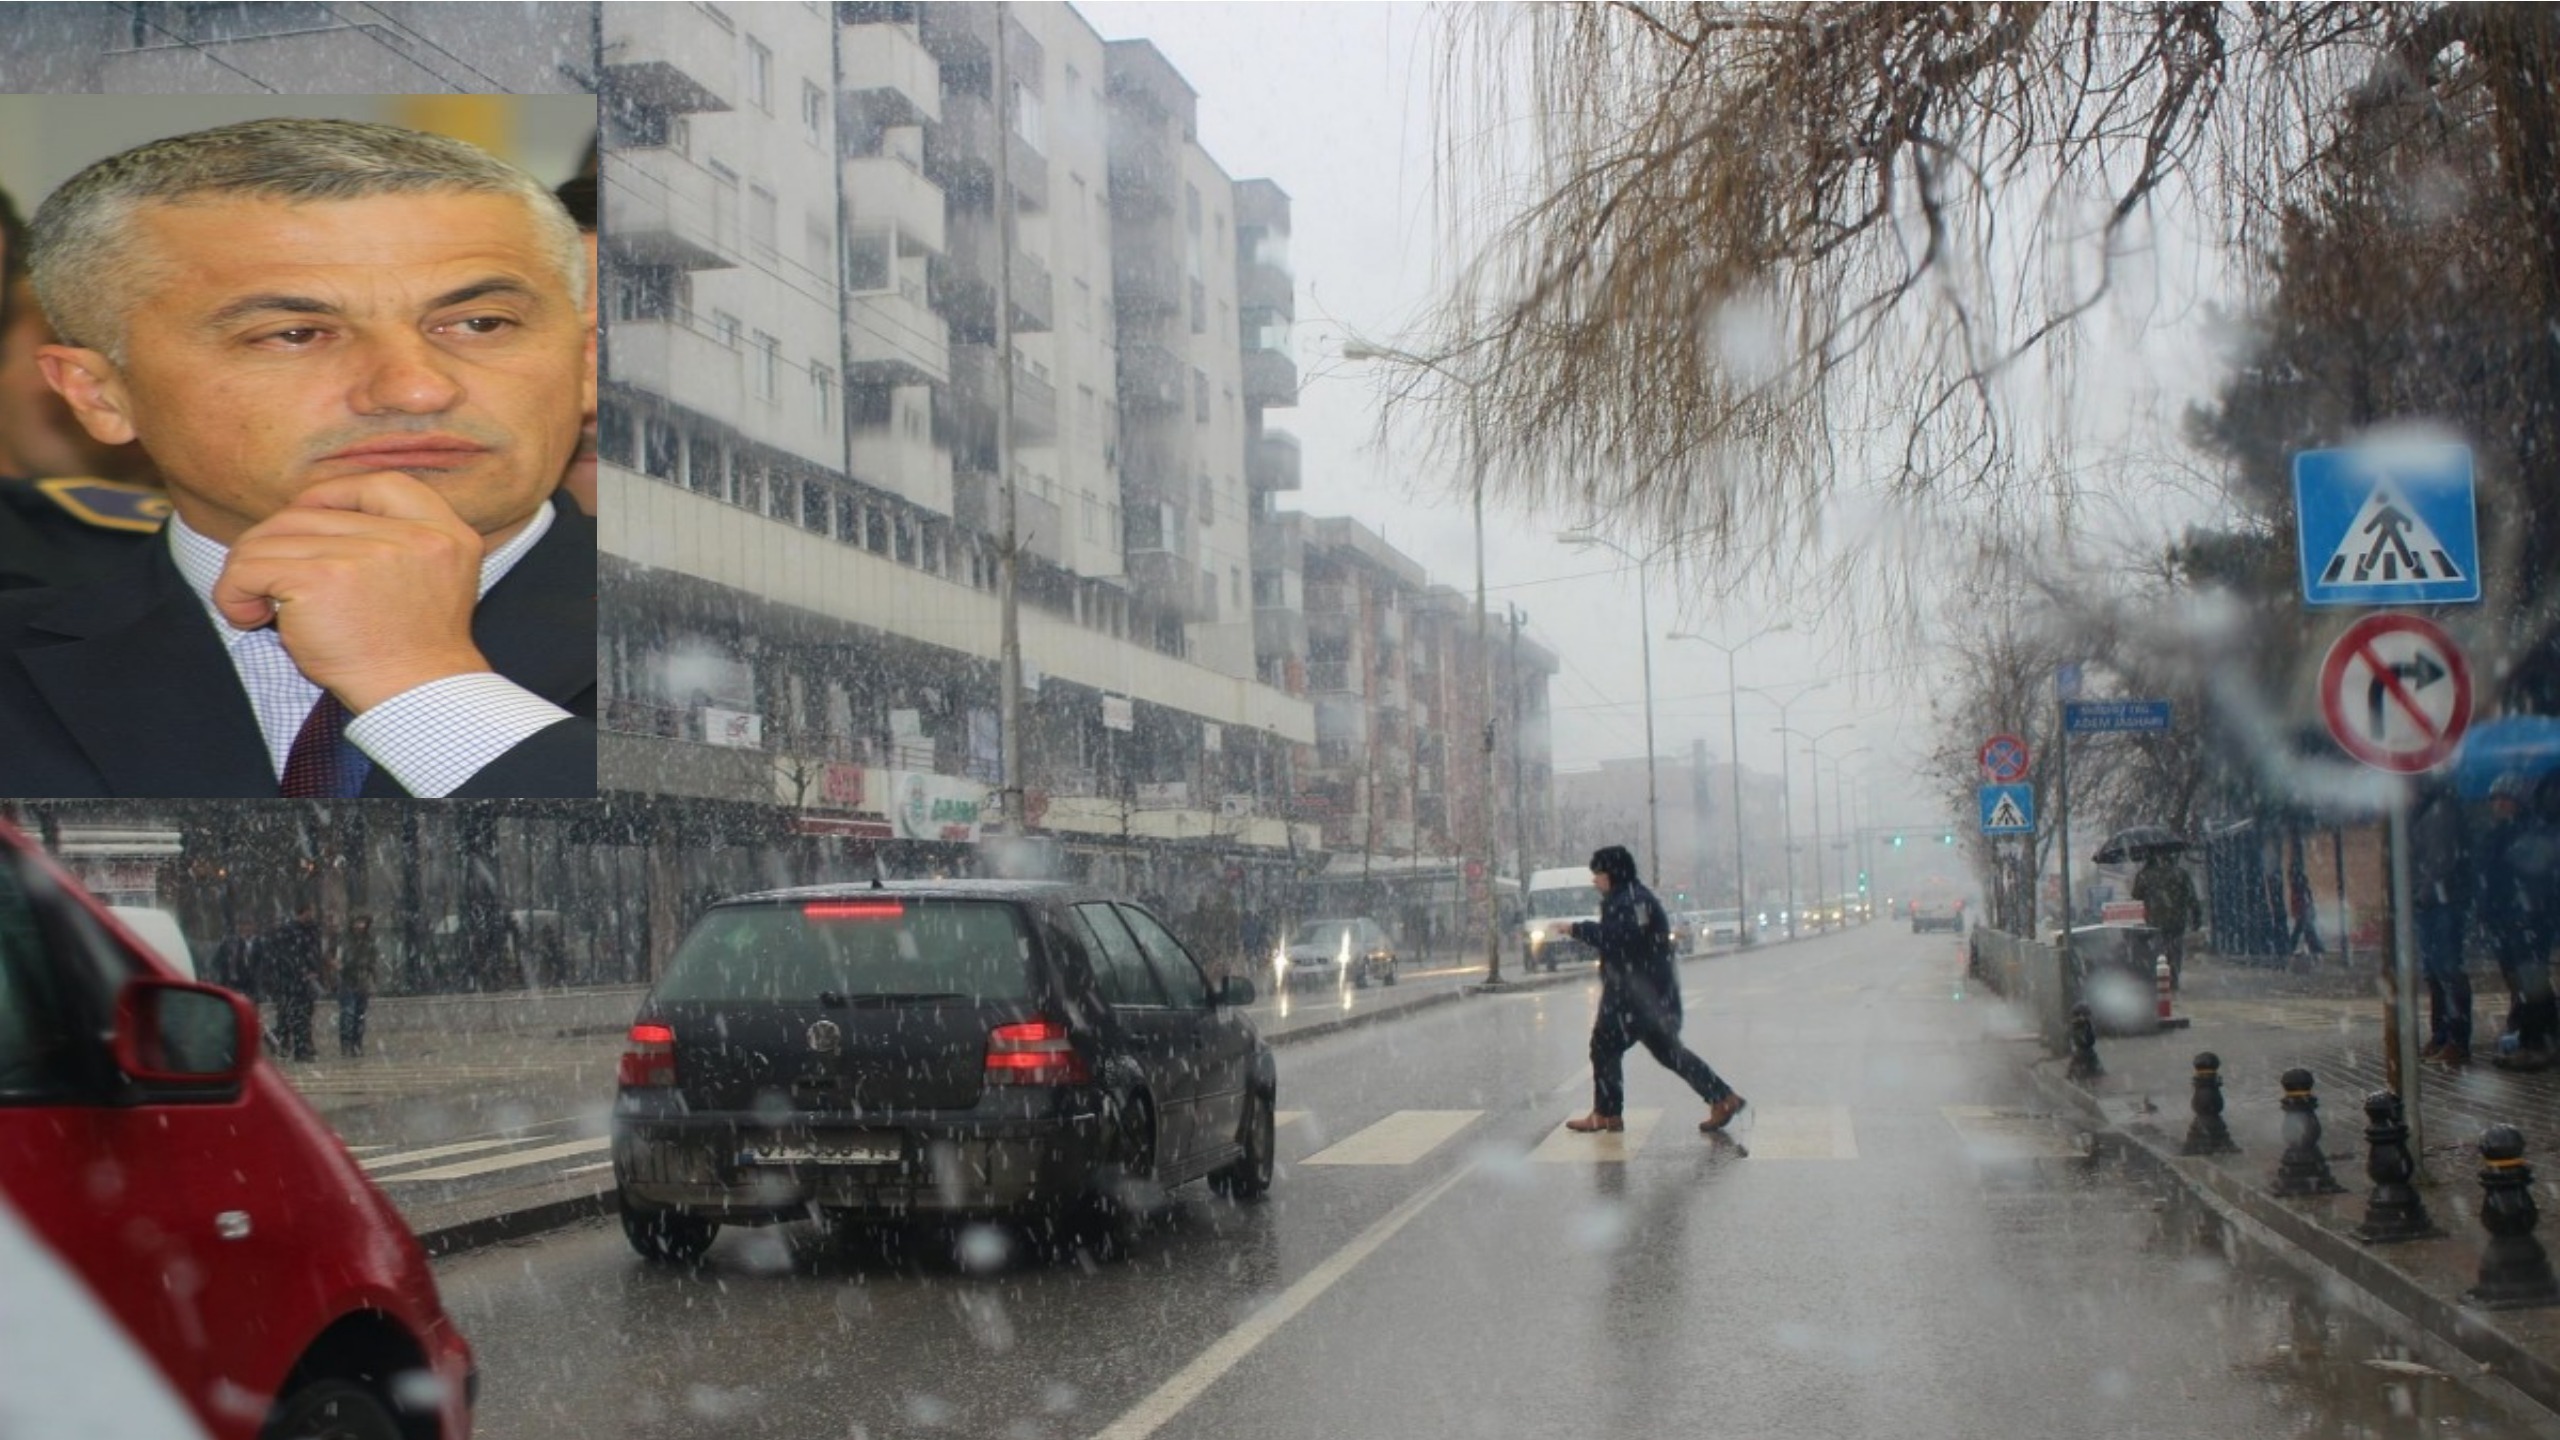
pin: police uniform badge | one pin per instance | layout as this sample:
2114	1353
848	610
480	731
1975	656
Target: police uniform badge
109	504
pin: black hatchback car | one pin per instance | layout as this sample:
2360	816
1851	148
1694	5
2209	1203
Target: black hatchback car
921	1050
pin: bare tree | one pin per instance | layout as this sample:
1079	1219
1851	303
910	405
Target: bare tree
1746	258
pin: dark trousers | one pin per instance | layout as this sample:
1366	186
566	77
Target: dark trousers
2439	930
351	1005
294	1009
1632	1016
2524	961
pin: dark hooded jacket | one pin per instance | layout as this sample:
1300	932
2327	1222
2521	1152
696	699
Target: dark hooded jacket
1633	933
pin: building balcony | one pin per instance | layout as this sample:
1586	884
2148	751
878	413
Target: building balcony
1271	461
962	281
969	416
663	209
1261	205
1278	631
959	153
977	503
1146	177
1267	288
1145	281
1138	77
1270	379
890	70
1153	379
960	36
673	357
1169	579
669	57
885	191
892	337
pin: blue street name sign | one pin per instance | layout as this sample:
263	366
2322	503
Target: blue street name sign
2008	809
2100	717
2388	524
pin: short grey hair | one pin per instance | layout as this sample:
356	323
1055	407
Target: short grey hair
81	243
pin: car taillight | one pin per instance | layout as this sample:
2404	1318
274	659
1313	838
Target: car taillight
855	910
648	1057
1034	1052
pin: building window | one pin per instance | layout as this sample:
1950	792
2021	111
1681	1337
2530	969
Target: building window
818	242
1191	209
1092	519
759	75
1235	586
764	220
725	326
1028	120
1208	506
823	381
724	206
1200	395
768	366
868	265
1199	308
813	112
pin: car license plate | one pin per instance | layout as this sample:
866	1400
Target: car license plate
848	1150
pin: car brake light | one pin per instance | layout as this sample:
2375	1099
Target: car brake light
855	910
649	1057
1034	1052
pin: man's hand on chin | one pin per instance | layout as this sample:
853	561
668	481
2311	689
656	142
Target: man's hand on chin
370	581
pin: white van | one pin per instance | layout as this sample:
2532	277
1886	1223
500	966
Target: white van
1557	898
159	930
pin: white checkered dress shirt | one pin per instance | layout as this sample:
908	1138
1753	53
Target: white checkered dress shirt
431	738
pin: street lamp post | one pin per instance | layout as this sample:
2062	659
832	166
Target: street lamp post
1733	757
1483	839
1848	840
1813	745
1644	619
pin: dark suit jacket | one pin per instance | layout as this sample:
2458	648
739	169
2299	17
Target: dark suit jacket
122	688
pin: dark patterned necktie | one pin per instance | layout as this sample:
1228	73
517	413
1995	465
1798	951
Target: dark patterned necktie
322	763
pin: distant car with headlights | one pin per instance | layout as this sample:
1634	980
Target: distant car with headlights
1722	928
1937	911
934	1050
1332	952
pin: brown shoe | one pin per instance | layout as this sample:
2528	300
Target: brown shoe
1721	1114
1596	1122
2432	1050
2454	1055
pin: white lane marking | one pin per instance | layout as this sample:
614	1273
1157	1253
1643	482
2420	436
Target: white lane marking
438	1152
1800	1132
1149	1415
510	1161
1400	1139
588	1169
1569	1147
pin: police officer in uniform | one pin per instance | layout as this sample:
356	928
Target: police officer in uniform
64	528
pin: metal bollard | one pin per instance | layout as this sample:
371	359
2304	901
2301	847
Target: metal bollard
2084	1046
2206	1133
2303	1170
2394	1211
2514	1272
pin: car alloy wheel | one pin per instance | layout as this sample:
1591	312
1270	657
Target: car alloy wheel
331	1410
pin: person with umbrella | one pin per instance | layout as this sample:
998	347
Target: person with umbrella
2168	897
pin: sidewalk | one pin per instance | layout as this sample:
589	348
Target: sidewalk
2263	1022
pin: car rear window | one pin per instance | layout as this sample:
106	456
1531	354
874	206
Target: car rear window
880	948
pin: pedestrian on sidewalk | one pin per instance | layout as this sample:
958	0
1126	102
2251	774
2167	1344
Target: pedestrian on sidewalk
2168	906
359	971
294	961
1639	998
2306	910
2442	884
235	961
2520	868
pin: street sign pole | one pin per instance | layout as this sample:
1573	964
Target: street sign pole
2400	1051
2062	833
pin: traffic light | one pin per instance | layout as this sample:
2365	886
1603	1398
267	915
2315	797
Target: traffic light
1948	838
1897	842
1862	882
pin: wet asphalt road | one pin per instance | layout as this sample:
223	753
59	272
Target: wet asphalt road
1908	1247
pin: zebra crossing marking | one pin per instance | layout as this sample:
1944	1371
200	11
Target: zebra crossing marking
1568	1147
1994	1135
517	1159
439	1152
1801	1132
1399	1139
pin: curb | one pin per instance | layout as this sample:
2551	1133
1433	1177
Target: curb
2467	1343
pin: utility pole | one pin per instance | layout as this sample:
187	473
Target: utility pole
1008	553
1519	784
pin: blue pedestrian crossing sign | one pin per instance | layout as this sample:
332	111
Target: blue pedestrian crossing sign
2387	524
2008	809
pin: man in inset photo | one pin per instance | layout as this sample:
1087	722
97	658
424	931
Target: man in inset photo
359	356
